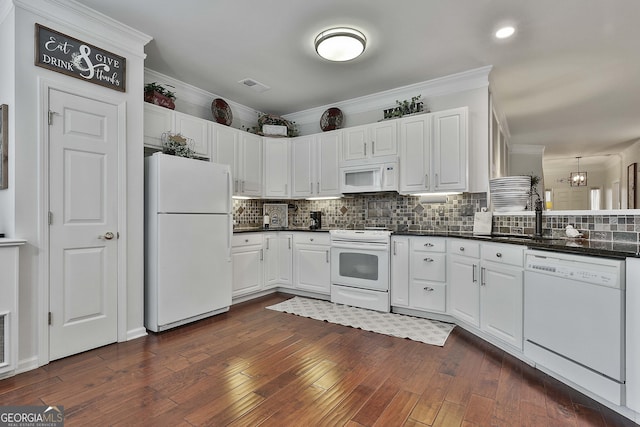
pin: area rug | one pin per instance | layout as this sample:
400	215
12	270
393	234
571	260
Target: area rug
414	328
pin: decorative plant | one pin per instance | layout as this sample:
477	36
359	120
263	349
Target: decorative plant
405	107
270	119
533	191
177	145
155	87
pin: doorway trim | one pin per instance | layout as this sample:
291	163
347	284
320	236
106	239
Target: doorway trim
44	85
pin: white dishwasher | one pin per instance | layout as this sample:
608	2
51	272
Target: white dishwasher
574	319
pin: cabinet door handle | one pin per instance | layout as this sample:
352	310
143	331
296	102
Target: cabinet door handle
437	181
461	248
289	240
261	255
428	289
428	259
268	243
235	185
318	187
327	252
426	181
499	255
474	278
311	239
243	185
286	188
482	272
311	187
373	148
365	149
428	245
395	248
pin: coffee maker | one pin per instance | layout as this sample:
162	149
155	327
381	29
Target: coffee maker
316	220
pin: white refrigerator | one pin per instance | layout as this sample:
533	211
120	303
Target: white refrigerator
188	230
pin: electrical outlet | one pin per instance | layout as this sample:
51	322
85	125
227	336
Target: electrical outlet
441	210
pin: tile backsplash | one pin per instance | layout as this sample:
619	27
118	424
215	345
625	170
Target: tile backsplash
399	212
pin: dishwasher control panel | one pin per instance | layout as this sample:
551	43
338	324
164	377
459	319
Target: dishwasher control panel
591	270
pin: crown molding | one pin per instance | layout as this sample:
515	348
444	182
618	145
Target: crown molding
197	96
459	82
87	21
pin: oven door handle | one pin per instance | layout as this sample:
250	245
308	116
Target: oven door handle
361	245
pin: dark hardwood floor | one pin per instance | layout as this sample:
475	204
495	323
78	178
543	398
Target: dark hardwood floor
254	366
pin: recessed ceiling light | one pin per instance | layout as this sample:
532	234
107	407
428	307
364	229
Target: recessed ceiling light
340	44
505	32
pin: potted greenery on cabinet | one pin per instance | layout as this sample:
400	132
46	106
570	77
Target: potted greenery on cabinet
157	94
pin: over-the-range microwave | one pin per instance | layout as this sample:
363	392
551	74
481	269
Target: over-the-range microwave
367	178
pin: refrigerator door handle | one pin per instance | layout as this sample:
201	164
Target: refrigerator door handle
230	210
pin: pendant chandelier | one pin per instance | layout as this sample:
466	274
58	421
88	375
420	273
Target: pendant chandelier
578	178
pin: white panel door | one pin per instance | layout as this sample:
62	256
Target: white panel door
83	200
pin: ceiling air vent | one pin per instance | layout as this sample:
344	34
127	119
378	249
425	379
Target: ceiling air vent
255	85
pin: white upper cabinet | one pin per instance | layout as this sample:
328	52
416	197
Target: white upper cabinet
250	164
328	156
302	166
157	120
450	147
415	154
196	130
242	151
314	164
433	152
276	168
370	141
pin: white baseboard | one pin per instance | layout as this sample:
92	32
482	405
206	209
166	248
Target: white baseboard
136	333
27	365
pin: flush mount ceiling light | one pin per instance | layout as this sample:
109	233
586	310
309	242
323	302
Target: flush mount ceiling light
505	32
340	44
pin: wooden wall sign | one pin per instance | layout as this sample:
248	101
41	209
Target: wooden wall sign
58	52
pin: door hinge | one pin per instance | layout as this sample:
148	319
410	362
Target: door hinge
50	319
50	217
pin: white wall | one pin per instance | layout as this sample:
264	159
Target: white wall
29	202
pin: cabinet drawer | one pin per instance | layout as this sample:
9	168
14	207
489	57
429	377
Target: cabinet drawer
428	266
464	247
429	244
503	254
246	239
428	296
316	238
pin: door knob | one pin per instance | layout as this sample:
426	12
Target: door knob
107	236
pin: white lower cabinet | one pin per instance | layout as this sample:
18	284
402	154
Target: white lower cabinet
486	288
312	268
399	271
418	273
247	258
278	249
501	296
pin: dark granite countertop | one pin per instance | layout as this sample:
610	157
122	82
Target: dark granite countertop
564	245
